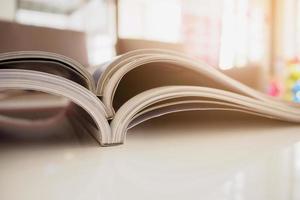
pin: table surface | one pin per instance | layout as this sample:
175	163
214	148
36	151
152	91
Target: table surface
207	155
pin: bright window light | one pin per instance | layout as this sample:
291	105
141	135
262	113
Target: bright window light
243	34
151	20
228	36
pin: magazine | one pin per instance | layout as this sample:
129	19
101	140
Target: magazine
130	89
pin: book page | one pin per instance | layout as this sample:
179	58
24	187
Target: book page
50	63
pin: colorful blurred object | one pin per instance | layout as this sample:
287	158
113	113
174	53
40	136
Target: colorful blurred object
292	81
296	91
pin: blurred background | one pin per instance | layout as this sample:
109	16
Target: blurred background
254	41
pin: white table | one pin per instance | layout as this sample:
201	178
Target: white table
205	157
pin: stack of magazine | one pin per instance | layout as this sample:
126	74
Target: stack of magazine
130	89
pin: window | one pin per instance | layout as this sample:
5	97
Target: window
226	33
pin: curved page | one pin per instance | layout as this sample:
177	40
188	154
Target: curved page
140	70
50	63
188	105
138	105
17	79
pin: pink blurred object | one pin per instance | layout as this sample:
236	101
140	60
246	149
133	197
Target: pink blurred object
274	88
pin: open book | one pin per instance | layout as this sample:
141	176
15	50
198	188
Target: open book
135	87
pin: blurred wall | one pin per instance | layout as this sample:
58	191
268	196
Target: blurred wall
7	9
17	37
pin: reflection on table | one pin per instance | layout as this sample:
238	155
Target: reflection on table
204	155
